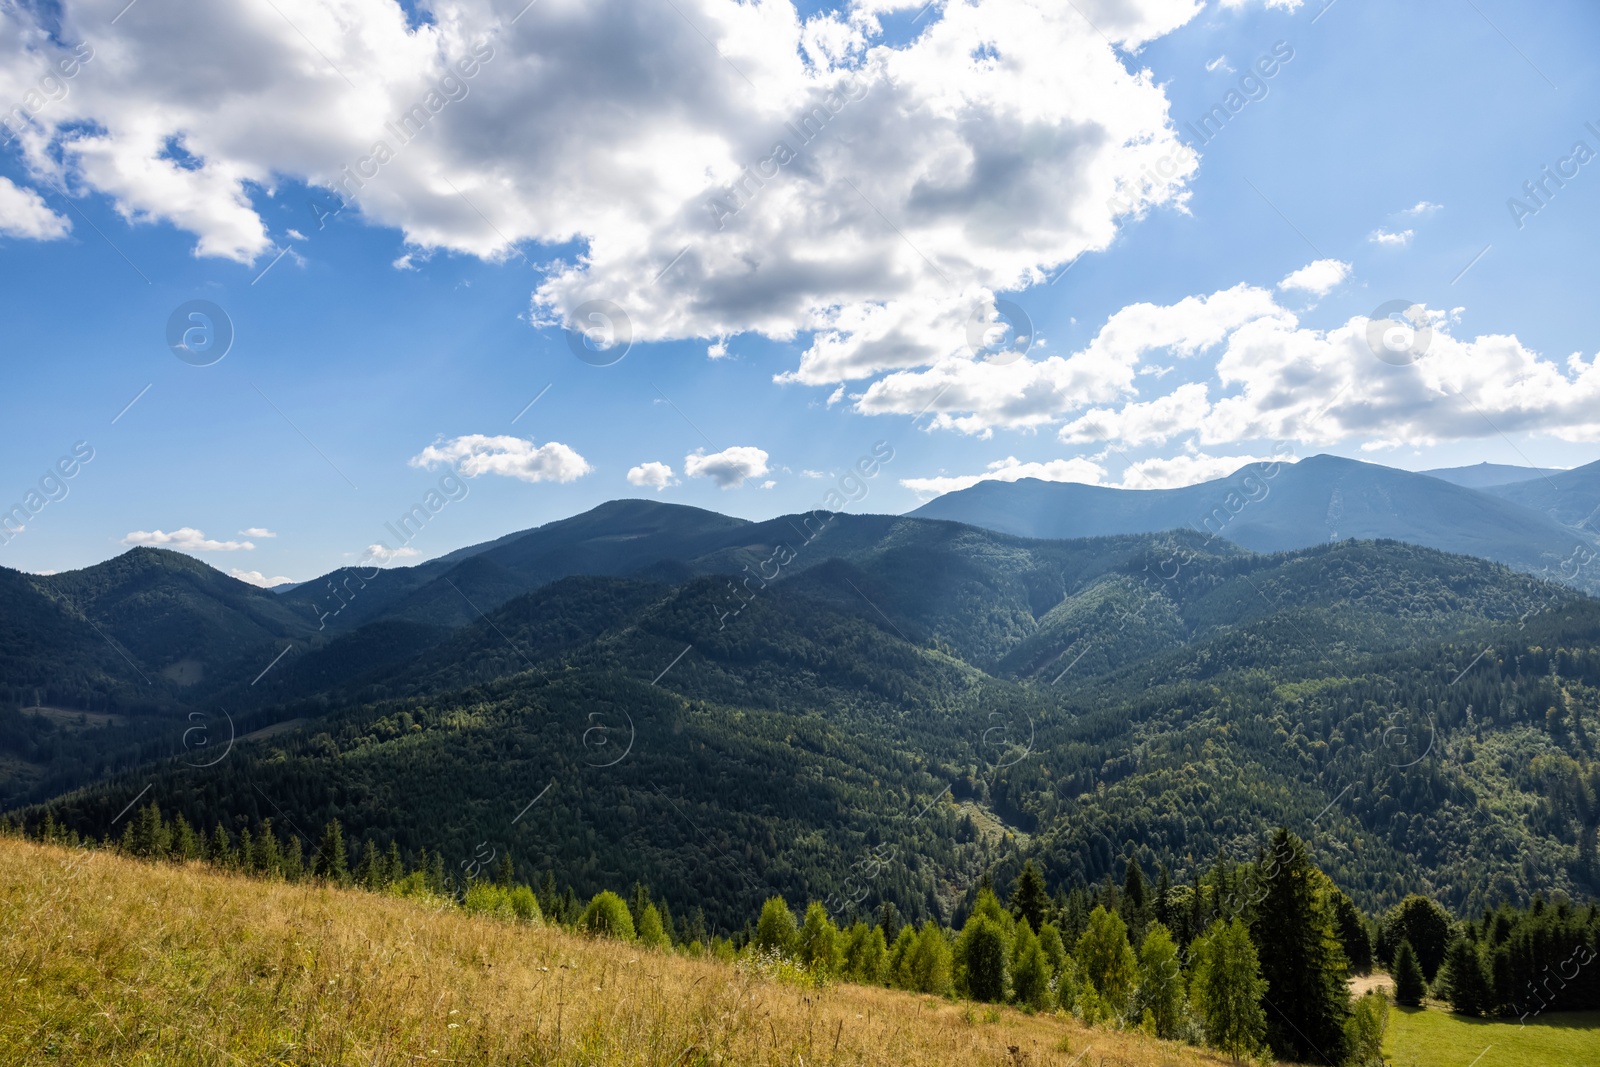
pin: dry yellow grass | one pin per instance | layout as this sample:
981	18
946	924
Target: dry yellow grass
105	960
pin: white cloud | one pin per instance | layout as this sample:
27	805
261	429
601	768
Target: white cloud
1012	469
1160	419
404	263
813	474
1391	238
1220	63
1281	5
717	351
654	475
186	539
1188	469
1318	277
258	579
476	454
23	213
1030	393
1422	207
1005	139
728	468
381	553
257	531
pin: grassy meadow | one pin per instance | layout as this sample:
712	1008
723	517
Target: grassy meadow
1435	1038
107	960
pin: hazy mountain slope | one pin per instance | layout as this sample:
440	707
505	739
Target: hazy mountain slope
1570	497
1317	500
1484	475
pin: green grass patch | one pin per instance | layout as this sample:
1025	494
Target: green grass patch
1435	1038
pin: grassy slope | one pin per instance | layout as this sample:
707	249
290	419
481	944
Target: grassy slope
1424	1038
107	960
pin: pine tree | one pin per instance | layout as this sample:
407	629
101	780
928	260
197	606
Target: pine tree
185	845
549	896
669	929
638	900
269	857
150	835
507	872
219	853
1465	979
1306	971
1029	898
900	958
776	930
1227	987
651	934
293	860
1409	985
394	868
930	961
889	920
1107	960
1055	950
818	940
1352	931
1030	970
369	872
1422	922
1160	993
330	862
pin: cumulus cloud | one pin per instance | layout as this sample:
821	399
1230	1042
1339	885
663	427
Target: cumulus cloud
1391	238
23	213
256	578
257	531
1318	278
1422	207
476	454
814	179
652	475
185	539
1012	469
1190	469
1220	63
1276	379
975	397
381	553
728	468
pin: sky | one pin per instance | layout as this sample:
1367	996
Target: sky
278	271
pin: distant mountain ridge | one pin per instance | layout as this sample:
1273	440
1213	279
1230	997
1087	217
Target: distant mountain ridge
1528	525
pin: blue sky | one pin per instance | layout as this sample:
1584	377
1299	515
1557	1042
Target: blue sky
346	367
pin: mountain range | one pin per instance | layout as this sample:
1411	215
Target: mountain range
724	709
1533	521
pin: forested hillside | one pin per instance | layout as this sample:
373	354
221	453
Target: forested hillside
903	706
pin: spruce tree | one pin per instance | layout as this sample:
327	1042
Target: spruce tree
507	872
1409	985
330	862
394	868
1465	979
1305	968
1029	898
369	872
1352	931
889	919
